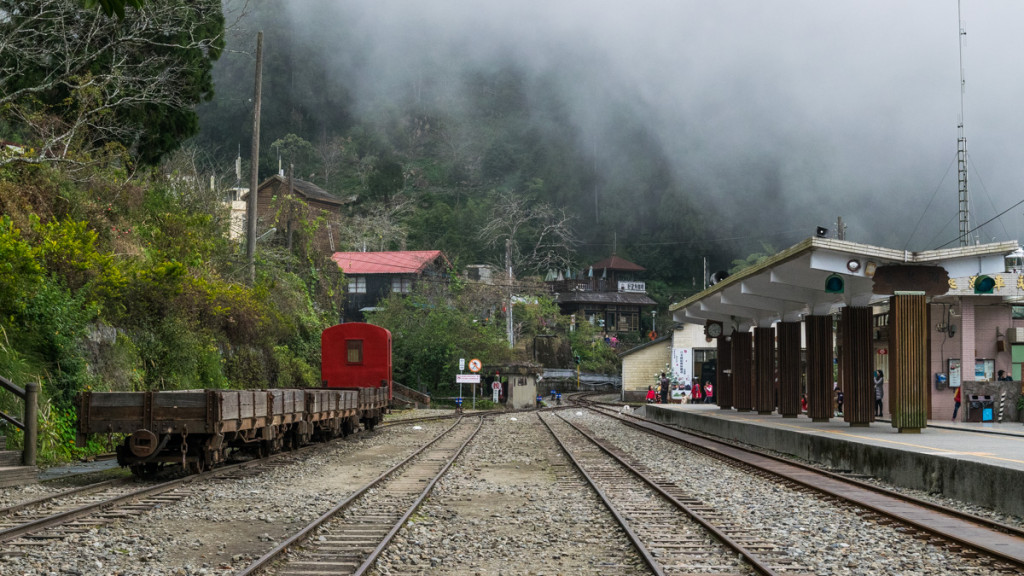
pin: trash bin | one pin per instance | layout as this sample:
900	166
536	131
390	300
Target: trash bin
980	408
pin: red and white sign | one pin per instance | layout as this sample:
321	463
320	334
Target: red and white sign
475	365
496	385
883	351
467	378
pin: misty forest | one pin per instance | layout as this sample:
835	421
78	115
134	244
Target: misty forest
124	123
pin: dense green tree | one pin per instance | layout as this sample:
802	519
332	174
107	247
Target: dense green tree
111	7
73	80
385	181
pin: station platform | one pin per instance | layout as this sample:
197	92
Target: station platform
976	462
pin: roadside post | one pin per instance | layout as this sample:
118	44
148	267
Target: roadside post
474	366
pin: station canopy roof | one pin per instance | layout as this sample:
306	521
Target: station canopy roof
803	280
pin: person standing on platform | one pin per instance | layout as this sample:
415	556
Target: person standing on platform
879	391
663	383
708	392
1003	377
651	395
956	402
695	393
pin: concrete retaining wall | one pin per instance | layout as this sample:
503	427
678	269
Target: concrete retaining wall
1000	489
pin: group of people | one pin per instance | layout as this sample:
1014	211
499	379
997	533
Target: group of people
878	378
663	393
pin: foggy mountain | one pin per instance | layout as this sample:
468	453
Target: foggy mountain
673	130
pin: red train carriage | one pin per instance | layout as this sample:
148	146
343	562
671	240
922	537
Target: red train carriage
197	428
357	355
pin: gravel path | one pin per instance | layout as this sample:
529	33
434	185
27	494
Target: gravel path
512	505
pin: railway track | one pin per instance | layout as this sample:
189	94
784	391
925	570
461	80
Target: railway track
85	508
998	546
674	532
348	538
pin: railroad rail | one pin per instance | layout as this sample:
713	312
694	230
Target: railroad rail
81	509
961	532
650	506
7	512
353	534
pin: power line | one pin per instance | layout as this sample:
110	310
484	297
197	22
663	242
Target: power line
979	226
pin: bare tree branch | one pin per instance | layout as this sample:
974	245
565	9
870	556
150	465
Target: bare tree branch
542	237
70	77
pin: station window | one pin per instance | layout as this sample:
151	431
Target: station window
1017	312
355	351
357	285
984	369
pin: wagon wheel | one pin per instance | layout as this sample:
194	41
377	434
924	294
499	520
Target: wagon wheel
198	466
145	470
265	448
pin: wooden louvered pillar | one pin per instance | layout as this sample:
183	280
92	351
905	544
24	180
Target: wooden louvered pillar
741	370
789	368
857	363
819	367
908	361
723	374
763	383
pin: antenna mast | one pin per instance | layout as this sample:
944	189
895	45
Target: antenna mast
961	143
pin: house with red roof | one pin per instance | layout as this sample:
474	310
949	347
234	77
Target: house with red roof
610	294
372	276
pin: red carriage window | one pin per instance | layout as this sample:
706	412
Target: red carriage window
355	351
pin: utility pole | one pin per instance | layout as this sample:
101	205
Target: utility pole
250	209
508	317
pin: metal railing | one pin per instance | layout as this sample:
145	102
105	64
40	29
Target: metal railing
30	396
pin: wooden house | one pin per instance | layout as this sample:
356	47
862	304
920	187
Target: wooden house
275	210
372	276
609	294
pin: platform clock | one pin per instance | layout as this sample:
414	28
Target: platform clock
713	329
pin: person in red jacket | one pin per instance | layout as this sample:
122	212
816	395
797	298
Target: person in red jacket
695	394
709	390
956	402
652	396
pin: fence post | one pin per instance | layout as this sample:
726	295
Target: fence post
31	422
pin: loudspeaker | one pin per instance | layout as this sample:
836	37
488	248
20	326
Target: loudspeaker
821	232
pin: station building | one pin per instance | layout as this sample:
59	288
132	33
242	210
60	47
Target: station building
827	313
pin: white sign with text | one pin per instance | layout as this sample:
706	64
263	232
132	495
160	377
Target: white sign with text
682	364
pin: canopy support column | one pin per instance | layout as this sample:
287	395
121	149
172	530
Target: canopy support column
763	386
857	363
819	367
789	368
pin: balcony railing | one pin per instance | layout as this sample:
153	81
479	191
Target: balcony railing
584	285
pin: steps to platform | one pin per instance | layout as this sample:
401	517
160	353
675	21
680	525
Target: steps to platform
12	473
10	458
18	476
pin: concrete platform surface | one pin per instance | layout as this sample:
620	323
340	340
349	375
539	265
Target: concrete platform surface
982	463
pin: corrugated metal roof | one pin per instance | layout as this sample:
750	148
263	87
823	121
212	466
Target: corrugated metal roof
404	262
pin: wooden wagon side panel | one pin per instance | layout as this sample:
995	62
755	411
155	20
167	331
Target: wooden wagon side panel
180	410
118	412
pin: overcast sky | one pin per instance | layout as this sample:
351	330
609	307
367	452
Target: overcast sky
818	108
